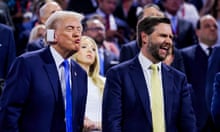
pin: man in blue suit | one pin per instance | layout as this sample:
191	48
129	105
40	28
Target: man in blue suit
196	60
7	52
34	98
127	99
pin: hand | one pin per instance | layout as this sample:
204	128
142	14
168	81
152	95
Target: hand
91	125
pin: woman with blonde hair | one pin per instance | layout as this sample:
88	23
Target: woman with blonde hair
88	59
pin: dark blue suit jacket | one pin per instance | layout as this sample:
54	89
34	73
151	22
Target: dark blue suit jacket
126	104
32	100
186	35
196	65
215	107
109	60
7	49
35	45
213	68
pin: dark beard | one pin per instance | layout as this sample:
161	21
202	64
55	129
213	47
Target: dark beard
153	48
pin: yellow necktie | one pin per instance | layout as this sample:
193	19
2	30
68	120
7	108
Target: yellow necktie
157	108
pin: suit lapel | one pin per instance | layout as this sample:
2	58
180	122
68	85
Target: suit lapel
51	70
138	79
167	80
74	80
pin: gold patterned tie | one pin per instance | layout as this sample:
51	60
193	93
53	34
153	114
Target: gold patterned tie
157	108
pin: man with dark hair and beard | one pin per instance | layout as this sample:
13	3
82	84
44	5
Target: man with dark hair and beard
143	94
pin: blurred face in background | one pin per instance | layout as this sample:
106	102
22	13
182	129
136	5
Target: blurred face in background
172	6
48	9
152	11
108	6
208	32
96	30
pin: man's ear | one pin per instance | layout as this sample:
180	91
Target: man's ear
144	38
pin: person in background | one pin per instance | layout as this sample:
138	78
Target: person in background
44	12
184	32
45	91
88	58
196	60
95	29
38	32
144	94
7	52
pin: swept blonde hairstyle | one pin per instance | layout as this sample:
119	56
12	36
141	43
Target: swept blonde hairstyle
94	68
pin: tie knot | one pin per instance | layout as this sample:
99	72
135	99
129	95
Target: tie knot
154	67
66	64
210	50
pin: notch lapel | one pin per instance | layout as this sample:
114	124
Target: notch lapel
51	70
167	80
138	79
53	77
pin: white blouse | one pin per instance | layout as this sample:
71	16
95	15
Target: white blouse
94	102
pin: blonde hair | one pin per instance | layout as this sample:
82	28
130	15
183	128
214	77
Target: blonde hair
94	68
35	34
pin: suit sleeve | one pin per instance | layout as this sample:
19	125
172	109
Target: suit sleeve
112	105
215	106
14	96
11	49
187	119
125	53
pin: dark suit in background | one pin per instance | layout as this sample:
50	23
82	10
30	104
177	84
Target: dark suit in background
82	6
213	68
33	87
7	52
185	35
7	49
196	66
109	60
215	106
35	45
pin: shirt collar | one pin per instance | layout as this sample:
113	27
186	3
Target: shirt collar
57	57
145	62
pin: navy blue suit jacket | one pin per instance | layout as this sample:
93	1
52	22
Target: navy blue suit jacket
35	45
126	104
32	100
196	65
213	68
215	106
7	49
186	35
